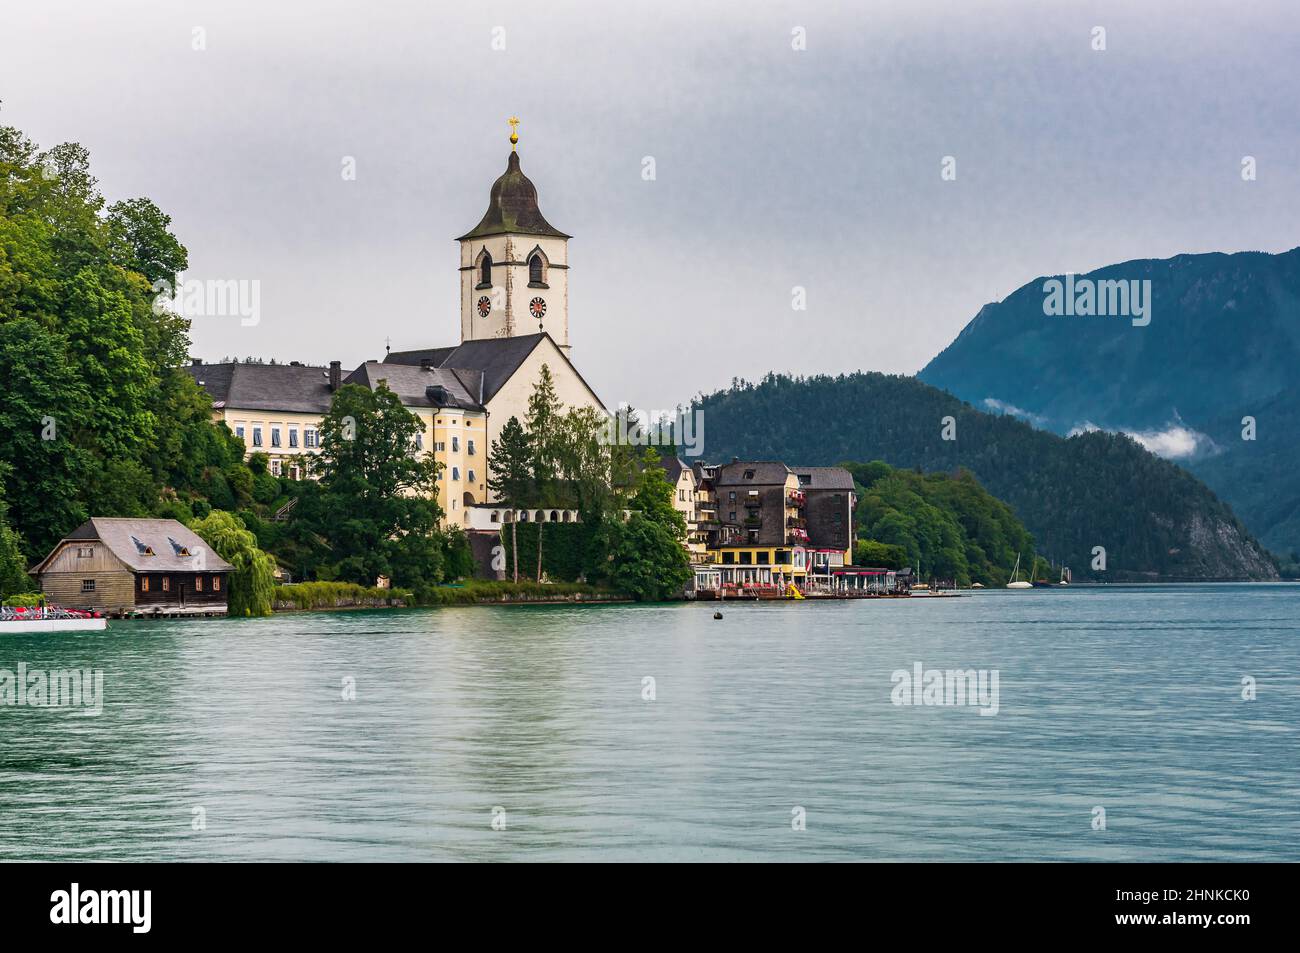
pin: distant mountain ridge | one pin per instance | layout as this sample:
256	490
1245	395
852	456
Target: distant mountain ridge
1154	519
1223	344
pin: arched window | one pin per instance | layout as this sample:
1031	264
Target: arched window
485	270
535	271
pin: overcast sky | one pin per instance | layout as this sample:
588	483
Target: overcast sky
775	167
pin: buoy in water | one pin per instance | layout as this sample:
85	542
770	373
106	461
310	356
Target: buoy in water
717	615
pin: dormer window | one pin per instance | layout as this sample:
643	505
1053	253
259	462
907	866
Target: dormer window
177	548
142	548
485	270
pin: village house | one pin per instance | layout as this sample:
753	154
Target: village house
768	525
686	501
135	567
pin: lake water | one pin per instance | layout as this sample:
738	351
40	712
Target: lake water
1127	699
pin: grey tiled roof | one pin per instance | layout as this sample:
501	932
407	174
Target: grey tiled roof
766	472
411	382
824	478
494	360
673	466
289	387
120	535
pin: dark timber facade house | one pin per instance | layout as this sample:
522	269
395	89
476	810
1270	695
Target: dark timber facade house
135	567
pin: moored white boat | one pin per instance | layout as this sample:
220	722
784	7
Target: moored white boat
49	619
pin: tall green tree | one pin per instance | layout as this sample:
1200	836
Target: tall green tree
13	566
378	502
96	416
252	583
511	479
544	419
650	560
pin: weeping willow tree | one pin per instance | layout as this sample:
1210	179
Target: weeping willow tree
253	580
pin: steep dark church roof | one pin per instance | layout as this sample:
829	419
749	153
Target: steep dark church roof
418	386
483	366
512	207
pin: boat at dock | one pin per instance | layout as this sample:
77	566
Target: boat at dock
49	619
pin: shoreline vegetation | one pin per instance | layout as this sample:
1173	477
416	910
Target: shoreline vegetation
317	596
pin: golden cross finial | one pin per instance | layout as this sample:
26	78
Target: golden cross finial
514	132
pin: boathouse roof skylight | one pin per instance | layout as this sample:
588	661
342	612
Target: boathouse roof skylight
142	548
177	548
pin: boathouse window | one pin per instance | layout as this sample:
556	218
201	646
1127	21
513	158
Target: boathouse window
144	583
198	583
166	583
535	270
216	583
85	552
257	436
485	271
293	436
87	585
275	436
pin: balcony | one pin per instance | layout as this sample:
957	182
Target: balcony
753	522
797	535
796	498
796	522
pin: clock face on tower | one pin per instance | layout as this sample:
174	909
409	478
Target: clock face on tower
484	306
538	308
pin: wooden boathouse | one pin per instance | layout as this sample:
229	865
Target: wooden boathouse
135	567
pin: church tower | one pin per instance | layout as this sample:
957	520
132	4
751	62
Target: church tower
514	267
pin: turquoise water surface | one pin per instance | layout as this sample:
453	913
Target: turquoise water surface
1127	699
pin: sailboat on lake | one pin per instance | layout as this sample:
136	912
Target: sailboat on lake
1016	582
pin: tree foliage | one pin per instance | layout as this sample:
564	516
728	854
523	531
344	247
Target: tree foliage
96	416
943	526
253	580
378	504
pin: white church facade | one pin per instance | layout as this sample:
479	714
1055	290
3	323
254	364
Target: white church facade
514	283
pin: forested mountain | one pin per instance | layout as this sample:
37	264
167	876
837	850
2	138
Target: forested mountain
1154	519
1222	344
